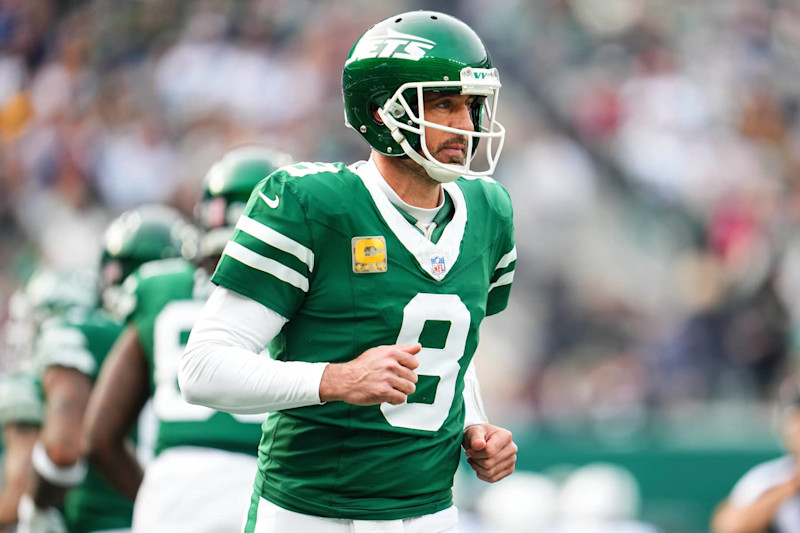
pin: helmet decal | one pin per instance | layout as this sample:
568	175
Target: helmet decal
393	44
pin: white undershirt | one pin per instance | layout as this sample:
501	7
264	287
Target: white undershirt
223	367
423	216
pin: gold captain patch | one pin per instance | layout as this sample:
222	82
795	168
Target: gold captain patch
369	255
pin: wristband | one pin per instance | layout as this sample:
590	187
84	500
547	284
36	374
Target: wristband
63	476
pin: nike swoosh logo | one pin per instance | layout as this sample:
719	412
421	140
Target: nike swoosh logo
273	203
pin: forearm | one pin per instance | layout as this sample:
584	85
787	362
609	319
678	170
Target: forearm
119	466
233	379
16	468
753	518
119	395
57	457
224	368
9	501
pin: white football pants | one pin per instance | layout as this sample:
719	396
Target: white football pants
274	519
194	490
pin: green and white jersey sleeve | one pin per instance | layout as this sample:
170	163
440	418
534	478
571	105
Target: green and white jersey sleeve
80	339
20	399
270	258
323	246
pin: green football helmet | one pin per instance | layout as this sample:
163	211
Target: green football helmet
48	292
226	189
397	59
143	234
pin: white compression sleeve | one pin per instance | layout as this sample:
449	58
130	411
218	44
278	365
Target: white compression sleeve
475	412
223	367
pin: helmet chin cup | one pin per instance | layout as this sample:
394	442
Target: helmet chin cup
439	173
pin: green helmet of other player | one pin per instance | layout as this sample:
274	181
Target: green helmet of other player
226	189
47	292
143	234
394	62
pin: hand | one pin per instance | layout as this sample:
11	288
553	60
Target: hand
381	374
491	452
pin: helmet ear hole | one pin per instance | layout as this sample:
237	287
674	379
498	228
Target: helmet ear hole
373	107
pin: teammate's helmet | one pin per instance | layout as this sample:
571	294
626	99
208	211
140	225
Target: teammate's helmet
147	233
397	59
46	293
226	189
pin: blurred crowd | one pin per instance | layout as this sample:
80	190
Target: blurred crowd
652	154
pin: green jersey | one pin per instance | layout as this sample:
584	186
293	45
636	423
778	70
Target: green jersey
166	298
81	340
322	245
21	400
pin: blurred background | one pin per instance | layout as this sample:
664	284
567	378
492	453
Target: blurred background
652	154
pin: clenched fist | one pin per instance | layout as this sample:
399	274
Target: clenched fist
380	374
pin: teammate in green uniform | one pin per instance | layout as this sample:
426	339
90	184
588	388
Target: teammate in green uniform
205	460
369	282
46	294
70	349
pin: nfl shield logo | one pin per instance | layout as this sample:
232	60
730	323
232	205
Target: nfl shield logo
437	265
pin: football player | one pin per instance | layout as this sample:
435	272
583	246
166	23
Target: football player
46	294
369	282
205	460
69	349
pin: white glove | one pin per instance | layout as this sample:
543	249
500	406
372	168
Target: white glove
33	519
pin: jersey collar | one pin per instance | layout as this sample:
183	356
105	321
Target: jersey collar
435	259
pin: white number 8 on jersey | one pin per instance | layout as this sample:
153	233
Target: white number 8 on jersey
441	362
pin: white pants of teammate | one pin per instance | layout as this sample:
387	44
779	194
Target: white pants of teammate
274	519
194	490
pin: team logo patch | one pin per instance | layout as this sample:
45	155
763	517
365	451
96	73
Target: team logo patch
438	268
369	255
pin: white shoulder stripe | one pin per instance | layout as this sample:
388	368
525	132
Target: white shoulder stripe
505	279
265	264
277	240
507	259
